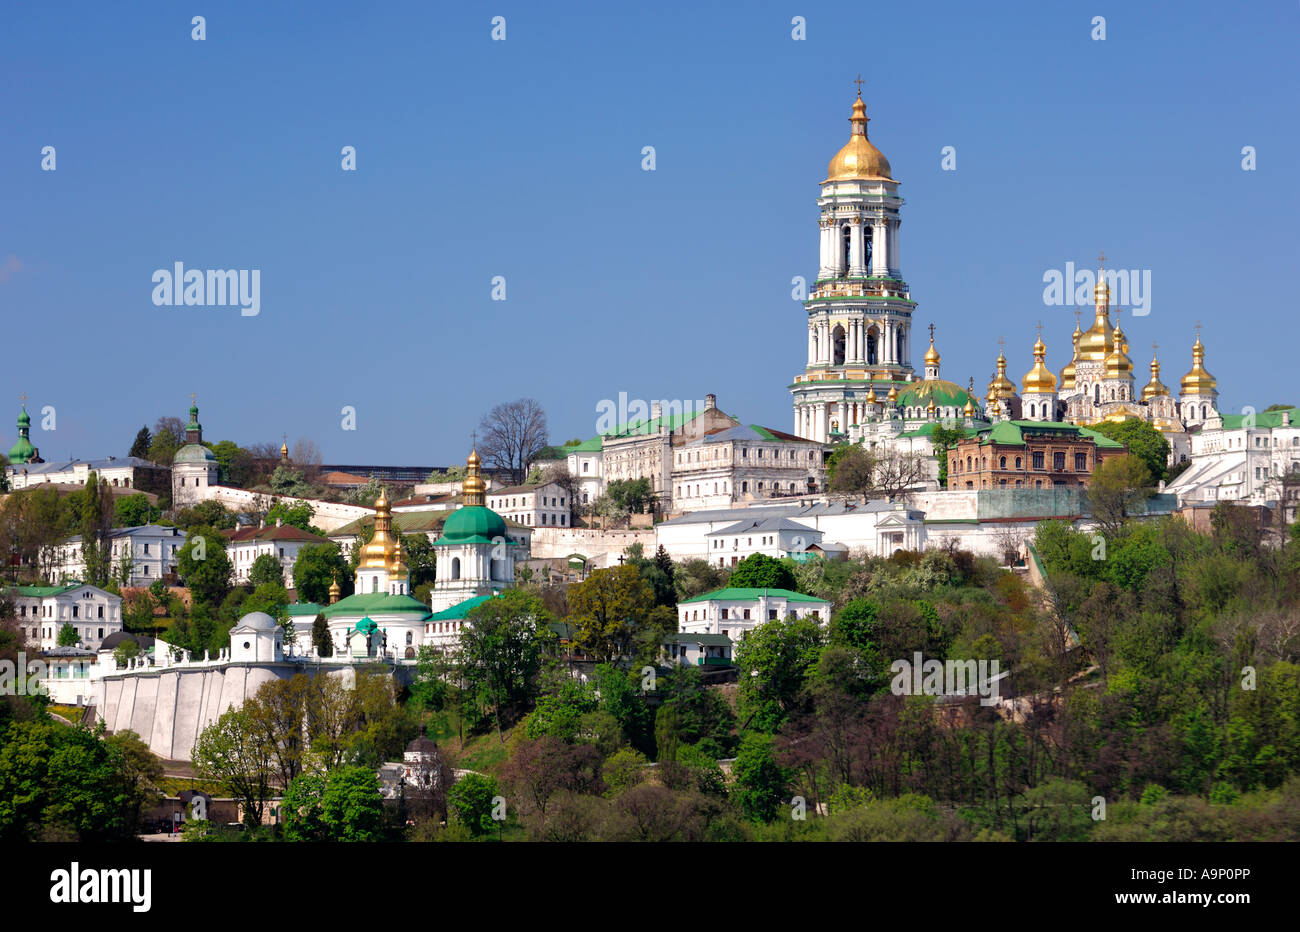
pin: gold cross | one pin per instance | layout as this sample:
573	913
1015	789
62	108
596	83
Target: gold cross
1040	329
1101	259
931	332
193	399
23	398
858	82
1001	343
1077	312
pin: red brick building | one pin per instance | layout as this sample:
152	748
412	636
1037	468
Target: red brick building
1028	455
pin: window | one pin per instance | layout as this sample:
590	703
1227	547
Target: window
1038	461
1081	462
1002	463
1017	463
1058	461
747	614
724	614
455	567
146	550
101	612
771	614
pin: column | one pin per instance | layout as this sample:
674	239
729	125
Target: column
887	337
811	348
879	250
896	254
855	247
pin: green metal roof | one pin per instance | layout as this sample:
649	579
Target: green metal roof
43	592
704	640
379	603
943	392
1011	433
472	524
1264	420
460	609
748	594
304	608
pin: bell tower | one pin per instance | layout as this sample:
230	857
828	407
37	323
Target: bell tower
859	314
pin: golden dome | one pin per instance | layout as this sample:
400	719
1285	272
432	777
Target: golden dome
969	410
871	395
474	489
1039	379
1198	381
378	553
1095	345
1155	388
859	158
396	564
932	354
929	409
893	394
284	450
335	591
1120	414
1001	386
1118	365
1067	374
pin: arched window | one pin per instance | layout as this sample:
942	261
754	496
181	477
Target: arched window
868	249
872	352
374	583
1002	462
847	241
968	464
410	637
1096	394
837	346
455	567
1017	462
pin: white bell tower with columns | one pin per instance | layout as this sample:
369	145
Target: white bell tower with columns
859	314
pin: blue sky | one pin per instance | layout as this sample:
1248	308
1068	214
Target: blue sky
522	159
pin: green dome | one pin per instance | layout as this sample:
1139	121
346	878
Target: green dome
194	453
945	394
24	419
473	524
21	451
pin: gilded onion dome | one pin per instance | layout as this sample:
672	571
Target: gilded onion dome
929	409
335	591
378	553
1067	374
932	354
474	489
1198	381
871	395
1095	345
859	158
892	397
969	410
1039	379
1155	388
396	563
1001	386
1118	365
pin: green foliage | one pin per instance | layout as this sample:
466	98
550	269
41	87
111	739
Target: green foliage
1142	440
609	610
68	636
501	652
265	569
317	566
209	514
205	568
134	511
140	446
296	514
631	495
761	782
470	801
775	659
758	571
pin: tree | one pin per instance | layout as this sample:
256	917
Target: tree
943	439
512	435
775	658
289	482
68	636
140	775
607	611
758	571
696	576
501	650
317	566
297	514
235	465
1115	489
96	523
266	569
471	800
631	495
168	437
760	781
205	567
850	468
134	511
351	807
320	637
1142	440
140	446
420	558
211	514
232	750
302	810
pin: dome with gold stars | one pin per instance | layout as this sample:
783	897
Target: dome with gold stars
1198	380
859	158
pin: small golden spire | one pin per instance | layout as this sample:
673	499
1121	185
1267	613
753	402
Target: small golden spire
334	590
474	489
